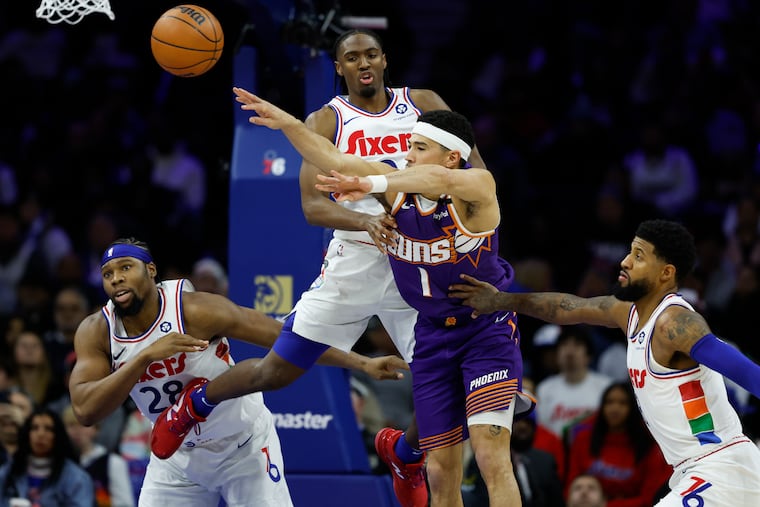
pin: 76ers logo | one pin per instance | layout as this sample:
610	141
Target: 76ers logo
692	497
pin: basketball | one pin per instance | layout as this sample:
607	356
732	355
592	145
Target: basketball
187	40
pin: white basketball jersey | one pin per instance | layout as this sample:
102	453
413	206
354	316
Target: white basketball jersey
378	137
164	380
687	411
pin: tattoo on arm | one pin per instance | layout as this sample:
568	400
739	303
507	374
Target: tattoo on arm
685	328
550	306
495	430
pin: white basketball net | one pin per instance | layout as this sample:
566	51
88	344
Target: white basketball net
71	11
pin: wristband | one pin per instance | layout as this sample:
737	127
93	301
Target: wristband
379	183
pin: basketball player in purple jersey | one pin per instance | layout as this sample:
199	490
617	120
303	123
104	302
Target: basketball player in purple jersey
373	121
676	364
466	373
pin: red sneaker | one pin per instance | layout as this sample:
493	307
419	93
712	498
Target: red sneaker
408	478
174	423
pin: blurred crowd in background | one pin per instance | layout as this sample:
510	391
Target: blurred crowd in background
592	115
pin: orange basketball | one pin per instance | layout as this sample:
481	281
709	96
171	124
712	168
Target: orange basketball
187	40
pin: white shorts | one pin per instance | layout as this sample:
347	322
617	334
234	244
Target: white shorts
356	283
245	469
729	477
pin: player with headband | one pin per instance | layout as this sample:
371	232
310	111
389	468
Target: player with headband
373	120
154	338
466	373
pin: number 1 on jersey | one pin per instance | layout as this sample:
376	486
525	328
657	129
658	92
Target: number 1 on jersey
425	283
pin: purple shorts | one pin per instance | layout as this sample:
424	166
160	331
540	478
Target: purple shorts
461	371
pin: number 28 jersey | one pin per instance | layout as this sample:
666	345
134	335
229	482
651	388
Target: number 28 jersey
163	380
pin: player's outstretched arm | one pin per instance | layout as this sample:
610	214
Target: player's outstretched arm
316	149
214	315
473	185
555	307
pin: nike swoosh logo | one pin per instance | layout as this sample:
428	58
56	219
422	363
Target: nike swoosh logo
350	120
499	319
407	205
117	356
246	441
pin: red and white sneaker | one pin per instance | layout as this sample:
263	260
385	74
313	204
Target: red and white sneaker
174	423
408	478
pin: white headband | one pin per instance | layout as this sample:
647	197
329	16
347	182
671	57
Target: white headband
445	139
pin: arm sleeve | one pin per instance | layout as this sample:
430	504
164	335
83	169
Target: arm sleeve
728	361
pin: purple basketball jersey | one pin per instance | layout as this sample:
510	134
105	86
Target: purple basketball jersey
461	366
433	249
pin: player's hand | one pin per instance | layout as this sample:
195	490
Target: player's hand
479	295
267	114
174	343
345	188
382	230
385	367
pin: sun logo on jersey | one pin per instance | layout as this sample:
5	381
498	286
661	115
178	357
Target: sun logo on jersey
468	247
441	250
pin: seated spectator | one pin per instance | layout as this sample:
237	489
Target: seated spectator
33	369
573	393
34	300
208	275
70	307
21	400
54	242
586	491
10	423
19	255
43	469
615	446
661	174
109	471
544	352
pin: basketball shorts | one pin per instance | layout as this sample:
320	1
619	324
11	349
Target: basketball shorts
463	371
245	469
356	283
729	477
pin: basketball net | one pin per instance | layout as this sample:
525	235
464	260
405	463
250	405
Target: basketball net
71	11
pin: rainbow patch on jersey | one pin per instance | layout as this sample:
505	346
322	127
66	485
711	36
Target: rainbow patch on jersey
695	408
